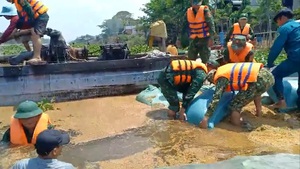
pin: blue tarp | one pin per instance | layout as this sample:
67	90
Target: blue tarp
277	161
199	105
290	94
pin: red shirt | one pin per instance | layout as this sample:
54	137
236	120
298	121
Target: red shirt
9	29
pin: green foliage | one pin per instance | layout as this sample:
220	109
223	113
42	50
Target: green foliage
115	25
94	49
297	13
12	49
261	56
139	49
46	104
132	40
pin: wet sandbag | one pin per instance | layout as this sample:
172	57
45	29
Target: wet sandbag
152	95
276	161
290	93
197	110
15	60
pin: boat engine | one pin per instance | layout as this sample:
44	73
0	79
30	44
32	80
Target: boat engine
115	51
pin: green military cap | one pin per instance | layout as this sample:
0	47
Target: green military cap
238	42
243	16
27	109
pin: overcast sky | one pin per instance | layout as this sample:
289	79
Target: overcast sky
80	17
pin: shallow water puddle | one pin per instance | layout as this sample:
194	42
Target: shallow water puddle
172	141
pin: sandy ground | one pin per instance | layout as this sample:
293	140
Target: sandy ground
98	118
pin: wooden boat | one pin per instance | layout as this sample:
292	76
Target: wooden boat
78	80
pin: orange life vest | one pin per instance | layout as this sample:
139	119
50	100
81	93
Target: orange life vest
197	24
182	66
237	30
238	74
234	58
17	134
38	9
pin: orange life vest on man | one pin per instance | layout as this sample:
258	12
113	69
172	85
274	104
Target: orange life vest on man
238	74
234	58
197	24
17	134
182	66
38	9
237	30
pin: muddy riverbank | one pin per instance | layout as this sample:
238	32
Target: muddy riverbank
128	134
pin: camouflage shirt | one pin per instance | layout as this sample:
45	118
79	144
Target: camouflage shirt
228	36
208	19
227	60
221	85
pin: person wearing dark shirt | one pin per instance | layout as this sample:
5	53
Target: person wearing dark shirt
288	39
23	36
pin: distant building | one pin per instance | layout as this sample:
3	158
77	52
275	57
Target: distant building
129	30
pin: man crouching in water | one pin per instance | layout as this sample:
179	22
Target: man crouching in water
250	79
26	124
184	76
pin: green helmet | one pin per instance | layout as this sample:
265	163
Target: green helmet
238	42
27	109
244	16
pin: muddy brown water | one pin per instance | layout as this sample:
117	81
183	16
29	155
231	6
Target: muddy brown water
144	138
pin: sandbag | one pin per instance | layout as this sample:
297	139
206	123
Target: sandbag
197	109
278	161
152	95
290	86
158	29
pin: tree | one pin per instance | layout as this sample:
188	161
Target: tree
125	17
115	25
265	12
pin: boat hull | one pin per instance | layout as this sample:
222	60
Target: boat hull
75	81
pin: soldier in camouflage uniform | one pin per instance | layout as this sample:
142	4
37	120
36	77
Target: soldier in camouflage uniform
251	79
183	76
238	50
240	29
201	31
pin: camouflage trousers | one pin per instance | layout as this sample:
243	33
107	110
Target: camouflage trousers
199	46
265	80
189	90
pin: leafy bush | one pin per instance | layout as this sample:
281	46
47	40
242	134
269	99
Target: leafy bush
261	55
12	49
46	104
139	49
94	49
